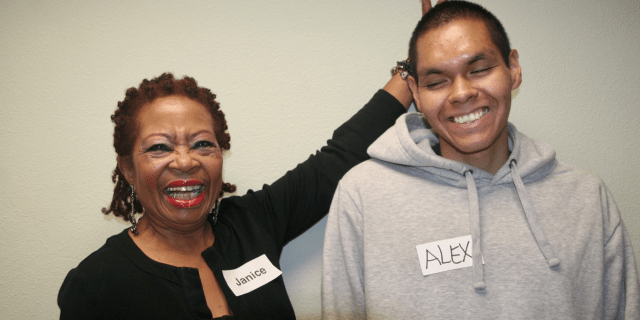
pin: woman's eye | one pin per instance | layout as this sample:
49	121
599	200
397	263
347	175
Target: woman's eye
159	147
203	144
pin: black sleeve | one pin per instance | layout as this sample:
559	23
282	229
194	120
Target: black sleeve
75	298
300	198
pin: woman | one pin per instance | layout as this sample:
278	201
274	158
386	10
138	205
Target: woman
192	255
183	259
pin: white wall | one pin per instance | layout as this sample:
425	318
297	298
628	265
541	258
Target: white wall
287	72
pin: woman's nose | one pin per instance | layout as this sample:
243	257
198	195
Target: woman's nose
185	161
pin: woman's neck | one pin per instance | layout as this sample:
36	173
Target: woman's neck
169	245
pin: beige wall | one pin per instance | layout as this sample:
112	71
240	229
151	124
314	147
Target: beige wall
287	73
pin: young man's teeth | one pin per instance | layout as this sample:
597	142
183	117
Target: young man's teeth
471	117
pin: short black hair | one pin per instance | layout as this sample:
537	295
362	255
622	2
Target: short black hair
450	11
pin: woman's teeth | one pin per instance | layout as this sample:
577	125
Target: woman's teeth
185	192
471	117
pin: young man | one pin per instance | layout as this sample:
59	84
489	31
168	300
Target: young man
472	219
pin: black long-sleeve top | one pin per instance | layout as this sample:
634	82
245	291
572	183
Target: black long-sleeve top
118	281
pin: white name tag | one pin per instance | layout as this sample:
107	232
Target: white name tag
250	276
445	255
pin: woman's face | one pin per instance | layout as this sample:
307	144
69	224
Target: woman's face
176	163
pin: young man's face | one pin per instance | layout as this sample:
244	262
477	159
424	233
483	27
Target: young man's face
465	88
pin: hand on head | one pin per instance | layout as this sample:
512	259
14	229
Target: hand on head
426	5
397	86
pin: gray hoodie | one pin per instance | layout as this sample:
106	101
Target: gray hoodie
544	239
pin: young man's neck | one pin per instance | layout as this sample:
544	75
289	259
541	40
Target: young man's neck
489	160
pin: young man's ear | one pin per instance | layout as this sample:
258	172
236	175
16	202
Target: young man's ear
126	167
514	69
413	85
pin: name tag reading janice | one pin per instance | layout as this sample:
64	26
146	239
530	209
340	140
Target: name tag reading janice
251	275
445	255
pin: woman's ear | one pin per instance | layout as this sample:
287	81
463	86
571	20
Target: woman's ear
126	167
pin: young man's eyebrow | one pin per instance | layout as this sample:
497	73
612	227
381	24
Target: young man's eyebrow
431	71
476	58
479	56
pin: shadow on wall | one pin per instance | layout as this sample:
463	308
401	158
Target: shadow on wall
301	264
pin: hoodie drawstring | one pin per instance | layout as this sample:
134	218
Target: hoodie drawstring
529	212
532	218
474	216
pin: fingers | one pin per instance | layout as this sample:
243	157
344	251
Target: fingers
426	6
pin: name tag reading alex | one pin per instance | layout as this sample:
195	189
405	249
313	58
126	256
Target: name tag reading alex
445	255
251	275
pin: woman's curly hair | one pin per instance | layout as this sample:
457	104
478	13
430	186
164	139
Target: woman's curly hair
126	129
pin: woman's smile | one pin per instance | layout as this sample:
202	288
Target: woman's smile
185	193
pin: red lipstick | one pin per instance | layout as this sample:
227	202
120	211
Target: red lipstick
184	183
186	203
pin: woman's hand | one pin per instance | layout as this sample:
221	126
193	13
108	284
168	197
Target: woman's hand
397	86
426	5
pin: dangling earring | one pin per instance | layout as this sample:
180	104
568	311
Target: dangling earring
214	212
132	219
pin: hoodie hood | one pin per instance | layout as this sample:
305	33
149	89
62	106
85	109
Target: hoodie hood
410	143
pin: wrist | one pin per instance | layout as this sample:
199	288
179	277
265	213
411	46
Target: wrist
403	68
399	88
